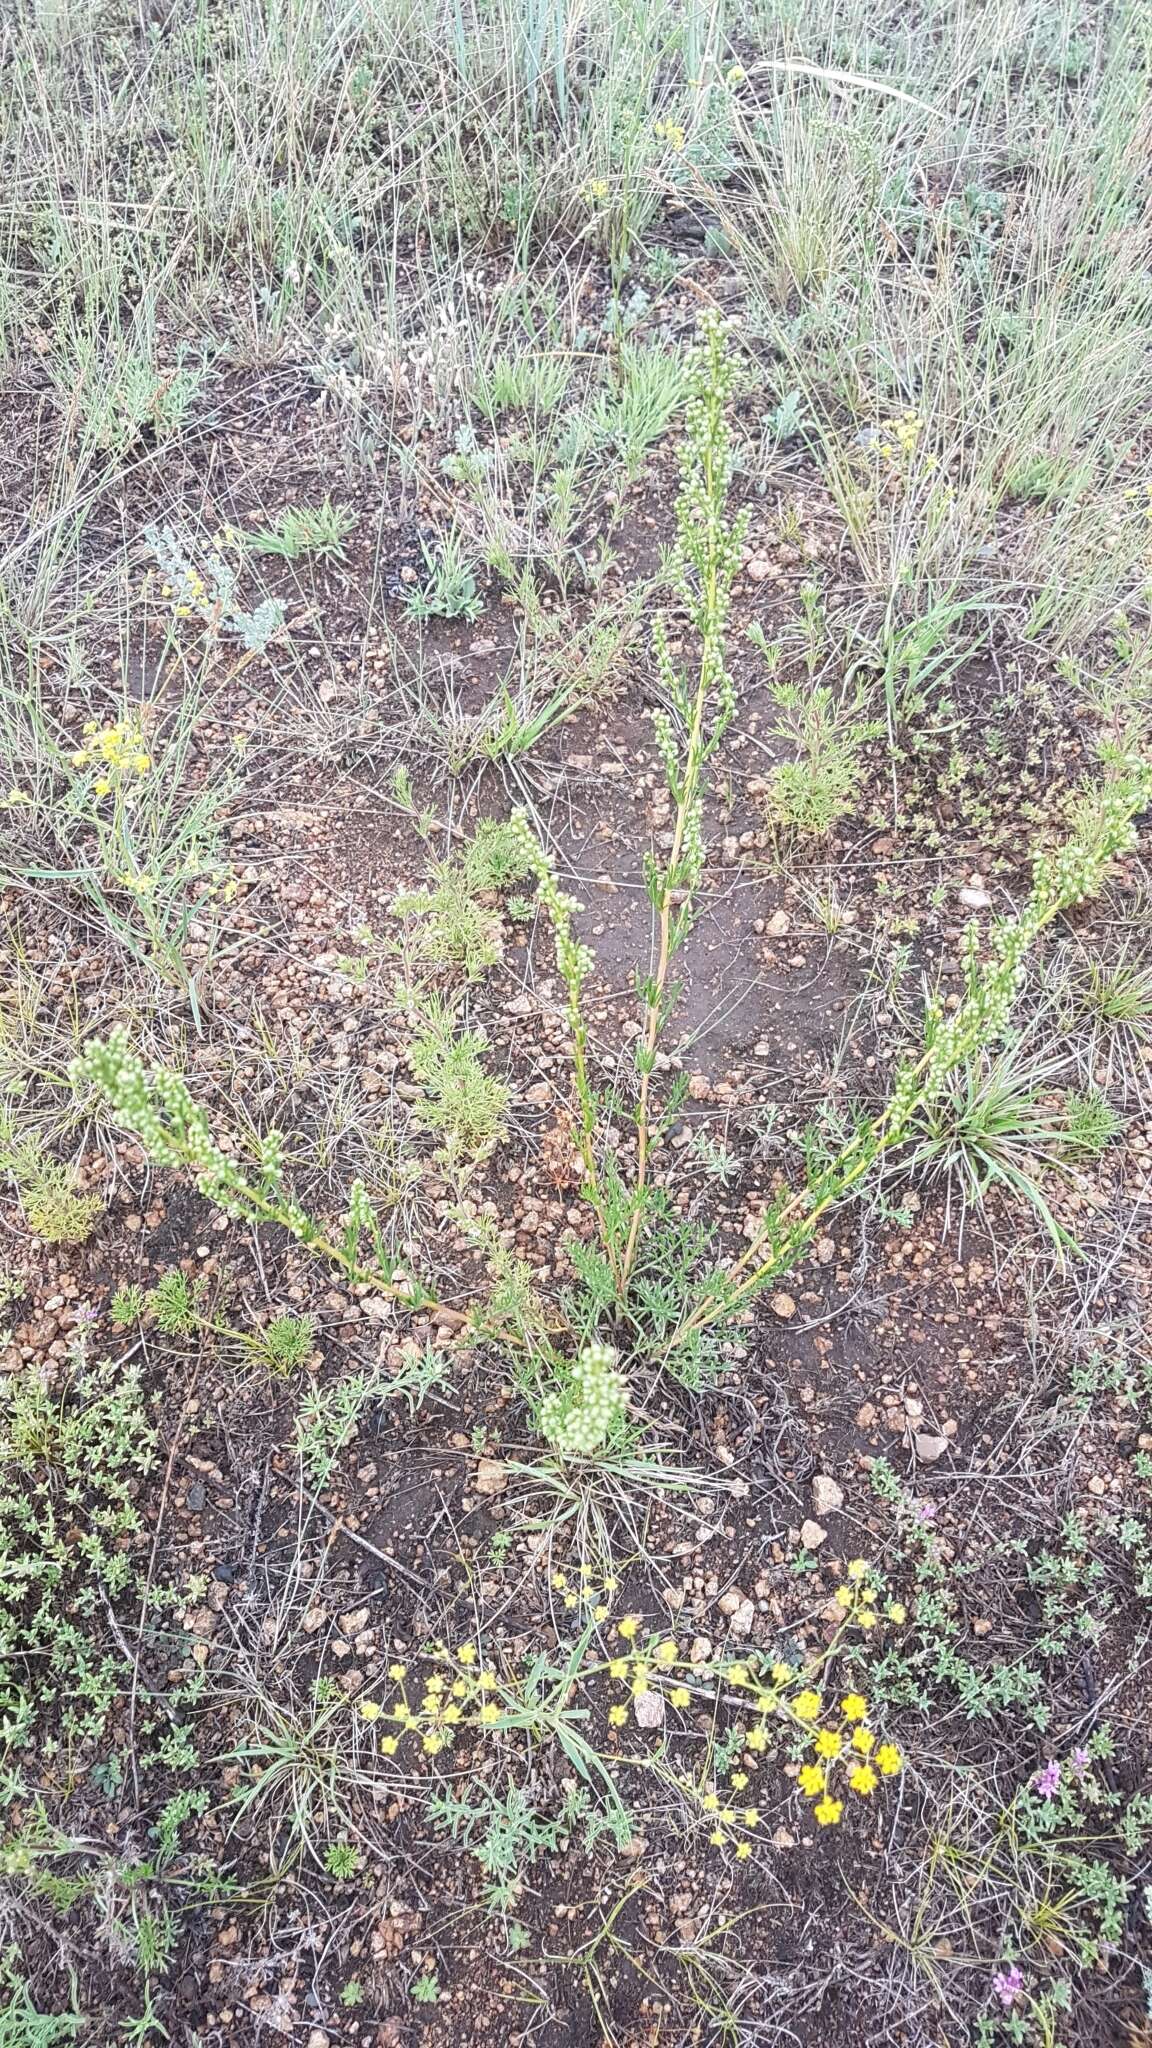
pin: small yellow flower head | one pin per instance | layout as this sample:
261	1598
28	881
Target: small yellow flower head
758	1739
487	1681
618	1667
370	1711
459	1690
844	1596
628	1627
806	1706
781	1673
451	1714
397	1671
863	1779
467	1653
751	1816
711	1802
867	1617
717	1838
435	1683
737	1674
141	763
743	1851
858	1569
600	1613
489	1714
666	1652
389	1744
735	75
738	1780
571	1600
827	1811
617	1716
897	1612
559	1581
812	1780
868	1595
102	787
680	1696
863	1741
889	1760
853	1706
433	1744
402	1713
828	1743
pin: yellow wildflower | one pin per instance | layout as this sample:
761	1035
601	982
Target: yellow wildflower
369	1711
618	1667
467	1653
858	1569
853	1706
897	1612
617	1716
863	1779
680	1696
717	1838
628	1627
389	1744
666	1653
812	1780
743	1851
828	1743
863	1740
489	1714
397	1671
806	1706
889	1759
827	1811
738	1780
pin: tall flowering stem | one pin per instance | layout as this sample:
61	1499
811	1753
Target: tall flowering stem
700	710
156	1104
1101	827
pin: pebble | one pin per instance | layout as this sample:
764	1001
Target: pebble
827	1497
783	1306
928	1448
491	1476
812	1535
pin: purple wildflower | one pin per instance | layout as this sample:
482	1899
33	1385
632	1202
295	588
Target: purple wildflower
1008	1984
1080	1761
926	1511
1047	1781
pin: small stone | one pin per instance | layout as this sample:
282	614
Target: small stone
648	1708
352	1622
196	1496
865	1415
743	1621
758	568
825	1250
974	896
783	1838
928	1448
778	925
730	1601
783	1306
812	1535
701	1650
491	1476
827	1497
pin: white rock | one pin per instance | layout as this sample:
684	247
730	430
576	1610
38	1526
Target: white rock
491	1476
812	1535
648	1708
827	1497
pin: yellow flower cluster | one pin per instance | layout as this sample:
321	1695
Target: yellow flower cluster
670	132
584	1592
455	1689
901	437
118	751
459	1695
